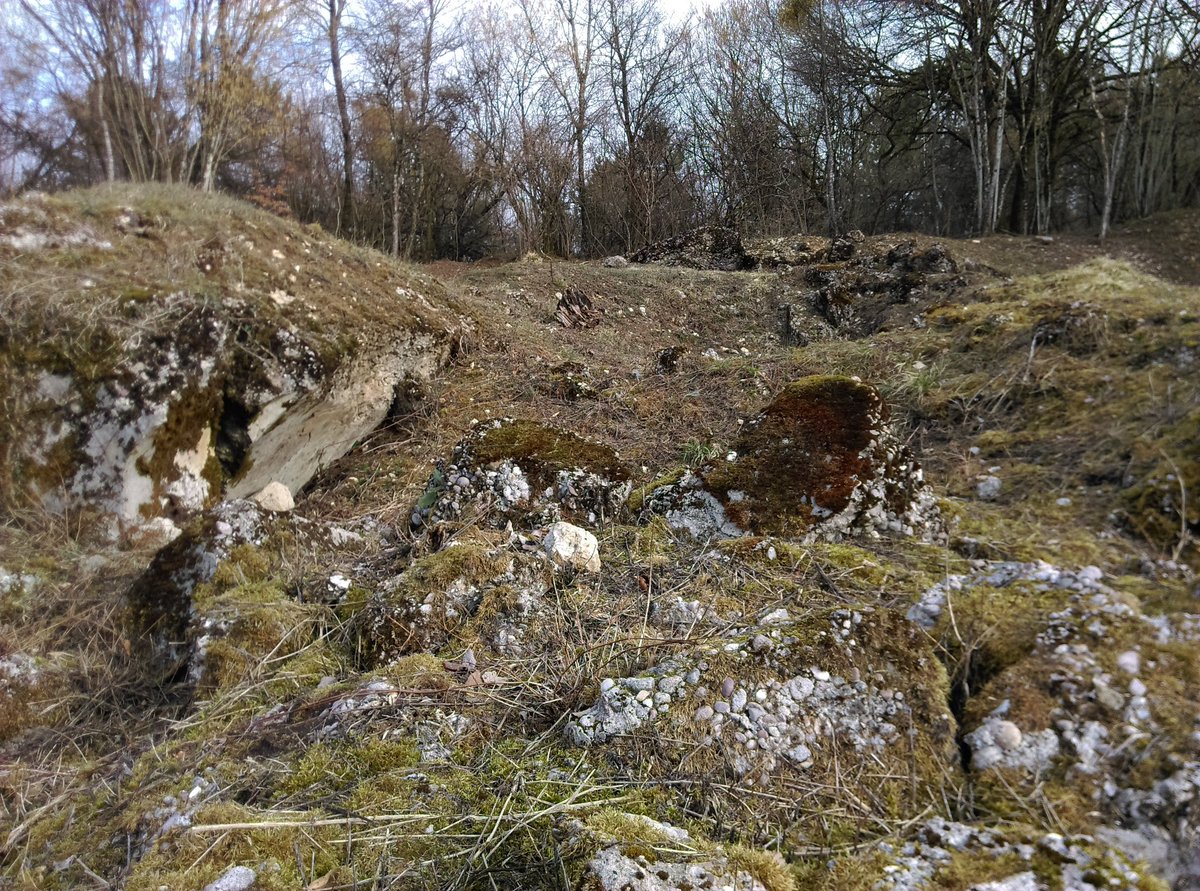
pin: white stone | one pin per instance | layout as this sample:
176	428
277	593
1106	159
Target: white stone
275	497
1025	881
988	488
1007	735
568	545
236	878
1130	662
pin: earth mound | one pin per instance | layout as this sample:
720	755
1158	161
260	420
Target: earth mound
209	350
820	460
709	247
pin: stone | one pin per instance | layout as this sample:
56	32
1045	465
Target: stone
1129	662
1107	696
274	497
611	870
1007	735
993	744
570	546
988	488
709	247
236	878
821	459
615	262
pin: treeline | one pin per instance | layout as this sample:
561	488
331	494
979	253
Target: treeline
441	129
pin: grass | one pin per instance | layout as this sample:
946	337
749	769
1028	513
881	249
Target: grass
430	773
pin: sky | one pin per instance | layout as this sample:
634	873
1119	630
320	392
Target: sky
678	9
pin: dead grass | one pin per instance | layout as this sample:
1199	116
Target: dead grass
1004	368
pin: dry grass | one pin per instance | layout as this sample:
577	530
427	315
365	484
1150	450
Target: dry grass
354	806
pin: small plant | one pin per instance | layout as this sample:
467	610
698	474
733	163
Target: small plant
916	381
696	453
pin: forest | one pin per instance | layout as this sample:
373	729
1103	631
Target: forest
436	129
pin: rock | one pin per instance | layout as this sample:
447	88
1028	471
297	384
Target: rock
1007	735
995	744
568	545
839	250
906	257
156	532
988	488
161	597
859	292
525	473
709	247
1107	696
174	399
1129	662
420	609
1025	881
275	497
610	870
615	262
821	459
236	878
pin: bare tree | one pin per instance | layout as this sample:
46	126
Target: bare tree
335	10
565	34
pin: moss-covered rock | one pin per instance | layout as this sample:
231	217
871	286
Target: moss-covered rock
144	394
793	701
820	459
424	607
524	472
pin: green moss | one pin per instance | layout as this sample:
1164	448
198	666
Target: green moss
541	452
285	857
985	630
770	869
330	768
966	869
264	626
416	614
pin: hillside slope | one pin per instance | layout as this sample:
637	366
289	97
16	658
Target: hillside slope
906	602
160	347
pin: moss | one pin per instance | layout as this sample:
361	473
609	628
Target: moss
1164	505
285	857
329	768
542	451
966	869
263	625
802	457
770	869
419	612
852	872
985	630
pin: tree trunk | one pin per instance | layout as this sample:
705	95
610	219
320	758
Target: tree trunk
396	211
347	216
110	169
